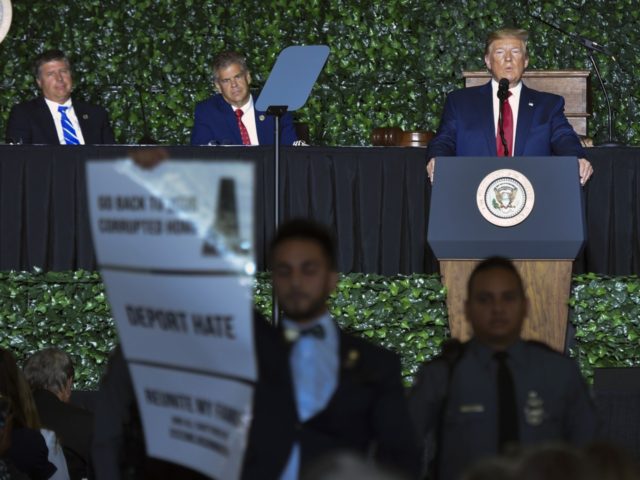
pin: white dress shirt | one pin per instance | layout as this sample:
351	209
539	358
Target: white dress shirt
53	107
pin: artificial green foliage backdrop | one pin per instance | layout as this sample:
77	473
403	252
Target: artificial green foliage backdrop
391	62
406	314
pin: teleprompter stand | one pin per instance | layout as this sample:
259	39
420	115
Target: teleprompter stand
287	89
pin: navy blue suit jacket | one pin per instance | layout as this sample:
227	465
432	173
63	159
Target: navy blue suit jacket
31	122
215	123
467	127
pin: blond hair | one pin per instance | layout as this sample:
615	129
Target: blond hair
518	33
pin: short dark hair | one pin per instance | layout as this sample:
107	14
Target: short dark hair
226	58
49	56
304	229
494	263
49	369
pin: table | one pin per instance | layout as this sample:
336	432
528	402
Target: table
376	200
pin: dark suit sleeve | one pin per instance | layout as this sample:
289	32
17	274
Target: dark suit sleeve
112	411
106	132
444	142
18	126
580	418
287	130
564	140
202	132
395	435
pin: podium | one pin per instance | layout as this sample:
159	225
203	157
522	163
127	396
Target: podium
546	234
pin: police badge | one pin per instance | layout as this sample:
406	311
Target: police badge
534	409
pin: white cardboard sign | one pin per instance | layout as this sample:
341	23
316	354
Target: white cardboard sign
175	248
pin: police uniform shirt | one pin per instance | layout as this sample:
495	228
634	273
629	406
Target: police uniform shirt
553	402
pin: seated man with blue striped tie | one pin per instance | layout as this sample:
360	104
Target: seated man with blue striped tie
53	119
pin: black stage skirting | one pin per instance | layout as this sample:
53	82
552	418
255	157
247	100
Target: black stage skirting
376	199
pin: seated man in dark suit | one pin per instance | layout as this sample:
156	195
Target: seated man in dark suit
534	123
53	118
229	117
343	393
50	375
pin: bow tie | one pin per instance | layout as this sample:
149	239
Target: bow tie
315	331
292	334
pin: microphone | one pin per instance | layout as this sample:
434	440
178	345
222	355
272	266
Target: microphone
503	89
146	139
585	42
503	94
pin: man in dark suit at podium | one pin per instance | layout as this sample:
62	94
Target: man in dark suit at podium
496	391
53	118
341	393
229	117
534	122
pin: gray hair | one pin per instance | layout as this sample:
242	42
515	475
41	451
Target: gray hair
225	59
49	369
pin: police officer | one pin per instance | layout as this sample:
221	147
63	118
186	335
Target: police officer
496	391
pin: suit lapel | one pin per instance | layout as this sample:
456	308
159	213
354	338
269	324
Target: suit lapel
232	121
525	115
84	119
47	124
488	121
261	128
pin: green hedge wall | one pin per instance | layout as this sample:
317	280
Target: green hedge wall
406	314
391	62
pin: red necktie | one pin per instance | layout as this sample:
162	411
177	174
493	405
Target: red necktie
507	126
243	130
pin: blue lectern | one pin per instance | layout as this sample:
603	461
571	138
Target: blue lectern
528	209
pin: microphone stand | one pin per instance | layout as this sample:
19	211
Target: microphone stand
591	47
610	142
502	97
277	111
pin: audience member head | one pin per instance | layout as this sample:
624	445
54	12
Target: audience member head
14	387
53	75
505	54
494	468
303	264
609	462
50	369
5	424
553	462
232	78
496	304
346	466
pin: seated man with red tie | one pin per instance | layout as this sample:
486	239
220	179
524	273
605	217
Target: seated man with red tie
53	118
533	123
229	117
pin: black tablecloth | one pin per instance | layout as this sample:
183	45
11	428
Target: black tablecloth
376	200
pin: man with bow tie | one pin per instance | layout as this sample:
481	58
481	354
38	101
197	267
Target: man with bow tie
341	393
533	123
54	118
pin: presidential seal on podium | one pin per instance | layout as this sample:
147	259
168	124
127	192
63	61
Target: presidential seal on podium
505	197
5	18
